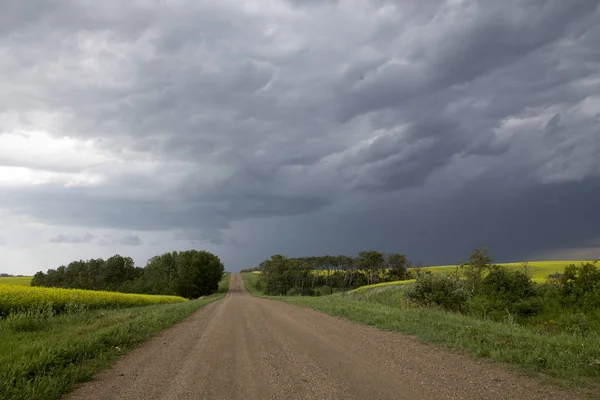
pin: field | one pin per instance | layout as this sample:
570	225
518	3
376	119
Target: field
15	298
42	355
15	280
539	270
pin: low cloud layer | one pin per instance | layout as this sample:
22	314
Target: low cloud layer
131	240
300	128
62	238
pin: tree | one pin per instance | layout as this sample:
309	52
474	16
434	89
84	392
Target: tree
189	274
397	266
371	261
480	261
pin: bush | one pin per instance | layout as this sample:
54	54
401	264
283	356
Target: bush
507	292
439	290
507	285
579	286
528	307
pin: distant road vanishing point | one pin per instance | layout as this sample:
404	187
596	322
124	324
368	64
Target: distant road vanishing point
245	347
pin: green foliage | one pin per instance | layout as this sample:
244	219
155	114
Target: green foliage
111	274
473	270
188	274
580	286
224	283
508	285
397	266
440	290
327	274
507	293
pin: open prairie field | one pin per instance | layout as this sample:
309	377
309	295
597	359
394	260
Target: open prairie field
15	280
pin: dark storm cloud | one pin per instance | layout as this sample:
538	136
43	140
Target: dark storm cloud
445	229
208	114
491	36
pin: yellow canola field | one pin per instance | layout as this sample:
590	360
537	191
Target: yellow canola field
15	298
540	270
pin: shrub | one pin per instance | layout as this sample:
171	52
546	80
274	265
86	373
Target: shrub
528	307
507	285
439	290
580	286
505	292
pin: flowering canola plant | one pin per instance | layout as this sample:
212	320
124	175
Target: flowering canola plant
15	298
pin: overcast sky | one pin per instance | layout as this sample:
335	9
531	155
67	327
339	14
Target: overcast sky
250	128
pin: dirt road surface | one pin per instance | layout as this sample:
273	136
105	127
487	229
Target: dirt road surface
244	347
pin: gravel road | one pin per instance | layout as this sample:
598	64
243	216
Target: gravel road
244	347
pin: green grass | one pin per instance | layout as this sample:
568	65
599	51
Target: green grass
224	284
250	281
43	357
568	359
16	280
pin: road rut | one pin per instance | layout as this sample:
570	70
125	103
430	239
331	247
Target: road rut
249	348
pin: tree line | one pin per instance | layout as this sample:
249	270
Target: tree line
326	274
189	274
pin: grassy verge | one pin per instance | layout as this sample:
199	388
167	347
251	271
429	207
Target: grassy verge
69	348
569	359
224	284
251	280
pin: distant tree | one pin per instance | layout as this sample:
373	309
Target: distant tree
371	261
479	262
397	266
198	273
188	273
39	279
